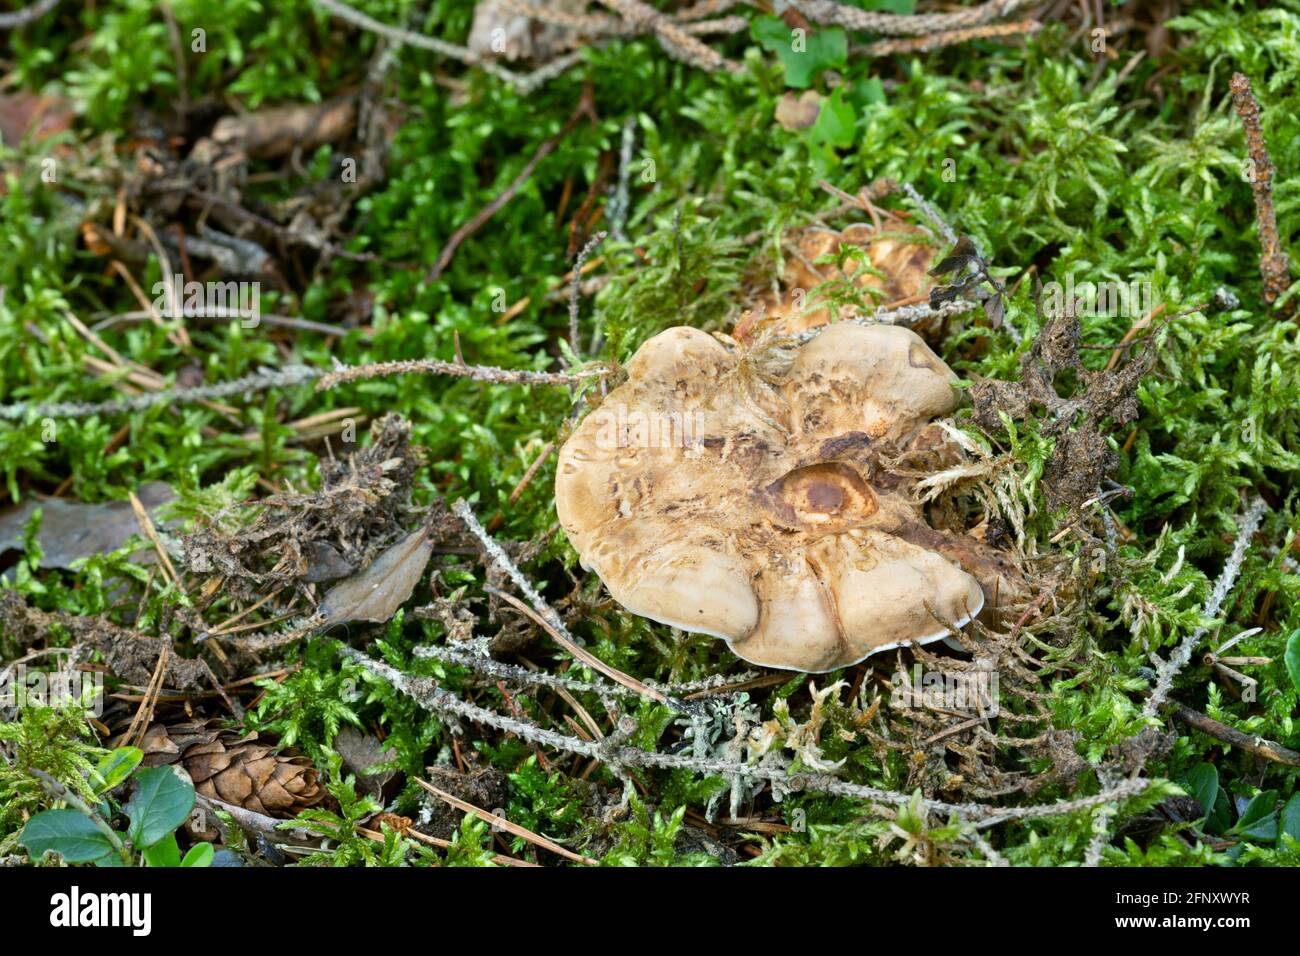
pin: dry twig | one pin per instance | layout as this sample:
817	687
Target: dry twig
501	822
935	41
674	37
902	24
1273	265
1229	735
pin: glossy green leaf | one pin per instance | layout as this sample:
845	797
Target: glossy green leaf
164	853
68	833
1292	657
1203	785
1259	821
803	53
1289	821
163	799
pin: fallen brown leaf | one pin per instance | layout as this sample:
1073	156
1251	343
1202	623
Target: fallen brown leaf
377	592
796	113
71	530
28	113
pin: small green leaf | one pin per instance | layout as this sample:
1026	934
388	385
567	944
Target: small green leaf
164	853
116	767
836	122
1293	657
1203	784
163	799
1258	821
68	833
200	855
803	54
770	32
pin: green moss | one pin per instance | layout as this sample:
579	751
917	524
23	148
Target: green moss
1058	166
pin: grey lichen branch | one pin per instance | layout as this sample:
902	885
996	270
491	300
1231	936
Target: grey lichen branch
20	18
576	286
405	37
550	620
1166	671
903	24
286	377
480	373
427	694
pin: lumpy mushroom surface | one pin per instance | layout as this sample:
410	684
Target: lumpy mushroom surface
759	508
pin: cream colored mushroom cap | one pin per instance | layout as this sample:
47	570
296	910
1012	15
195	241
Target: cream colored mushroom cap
755	510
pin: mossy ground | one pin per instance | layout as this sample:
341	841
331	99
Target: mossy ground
1062	161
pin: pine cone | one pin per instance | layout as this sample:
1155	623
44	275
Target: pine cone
235	769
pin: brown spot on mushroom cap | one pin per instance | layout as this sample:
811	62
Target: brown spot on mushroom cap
826	495
754	509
